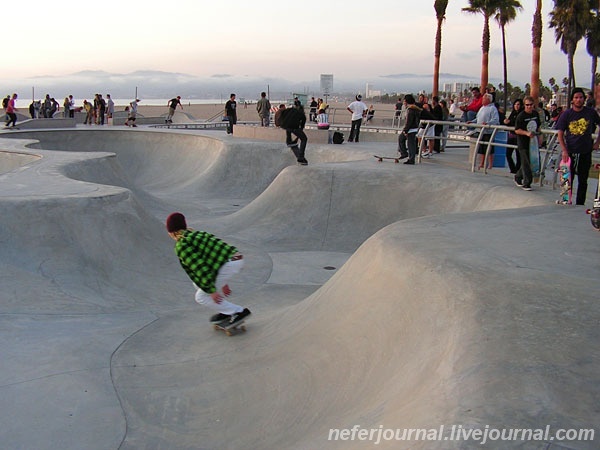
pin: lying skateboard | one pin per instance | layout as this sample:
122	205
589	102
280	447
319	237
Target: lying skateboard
595	211
230	328
381	158
566	188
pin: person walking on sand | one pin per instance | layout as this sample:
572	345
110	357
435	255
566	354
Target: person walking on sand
210	263
263	107
172	107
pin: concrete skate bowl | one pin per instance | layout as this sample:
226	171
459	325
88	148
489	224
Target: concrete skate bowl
12	160
441	315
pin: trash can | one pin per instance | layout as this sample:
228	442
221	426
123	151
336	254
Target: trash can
500	151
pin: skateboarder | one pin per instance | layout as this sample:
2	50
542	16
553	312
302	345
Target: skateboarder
210	263
575	128
173	103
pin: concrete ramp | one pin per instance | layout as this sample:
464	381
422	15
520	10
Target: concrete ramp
463	301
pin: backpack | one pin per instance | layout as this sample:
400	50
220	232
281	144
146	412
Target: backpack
338	137
5	102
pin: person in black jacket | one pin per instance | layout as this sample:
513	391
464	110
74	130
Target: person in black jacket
293	120
407	141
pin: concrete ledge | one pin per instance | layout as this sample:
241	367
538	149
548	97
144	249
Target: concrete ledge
34	124
277	134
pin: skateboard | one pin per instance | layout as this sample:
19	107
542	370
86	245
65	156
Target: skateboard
595	211
566	188
534	150
230	328
381	158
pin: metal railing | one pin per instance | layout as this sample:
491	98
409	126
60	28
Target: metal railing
465	132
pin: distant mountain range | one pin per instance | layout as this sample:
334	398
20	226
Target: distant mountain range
158	84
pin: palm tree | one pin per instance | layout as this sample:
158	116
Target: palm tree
487	8
440	14
570	20
593	42
536	42
507	12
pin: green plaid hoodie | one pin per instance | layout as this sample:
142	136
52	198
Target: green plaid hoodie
201	255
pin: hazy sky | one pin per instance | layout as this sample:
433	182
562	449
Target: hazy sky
348	38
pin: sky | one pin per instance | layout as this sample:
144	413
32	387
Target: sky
347	38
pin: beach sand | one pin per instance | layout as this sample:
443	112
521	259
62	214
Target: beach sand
247	113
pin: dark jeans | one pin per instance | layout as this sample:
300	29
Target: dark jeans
232	120
298	151
11	118
580	166
514	167
524	174
407	145
355	130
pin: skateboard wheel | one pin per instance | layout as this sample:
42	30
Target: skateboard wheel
243	328
216	327
228	332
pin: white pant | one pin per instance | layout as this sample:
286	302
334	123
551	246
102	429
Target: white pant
226	271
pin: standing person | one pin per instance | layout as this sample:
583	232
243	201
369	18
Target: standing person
487	115
210	263
110	108
407	141
101	109
71	107
438	114
510	121
527	126
263	107
172	107
231	113
66	104
312	116
358	110
11	111
132	113
575	128
293	120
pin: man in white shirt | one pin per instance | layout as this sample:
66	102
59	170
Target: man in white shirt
358	110
487	115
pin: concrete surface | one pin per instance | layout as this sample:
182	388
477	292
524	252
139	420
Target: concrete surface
383	295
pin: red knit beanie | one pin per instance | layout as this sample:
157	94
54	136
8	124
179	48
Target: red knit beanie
176	222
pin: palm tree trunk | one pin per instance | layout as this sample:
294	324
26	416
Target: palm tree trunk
485	54
536	40
504	61
436	60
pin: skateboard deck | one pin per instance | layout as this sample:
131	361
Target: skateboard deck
230	329
381	158
566	185
595	211
534	150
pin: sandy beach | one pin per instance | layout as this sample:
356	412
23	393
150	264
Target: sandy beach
248	113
